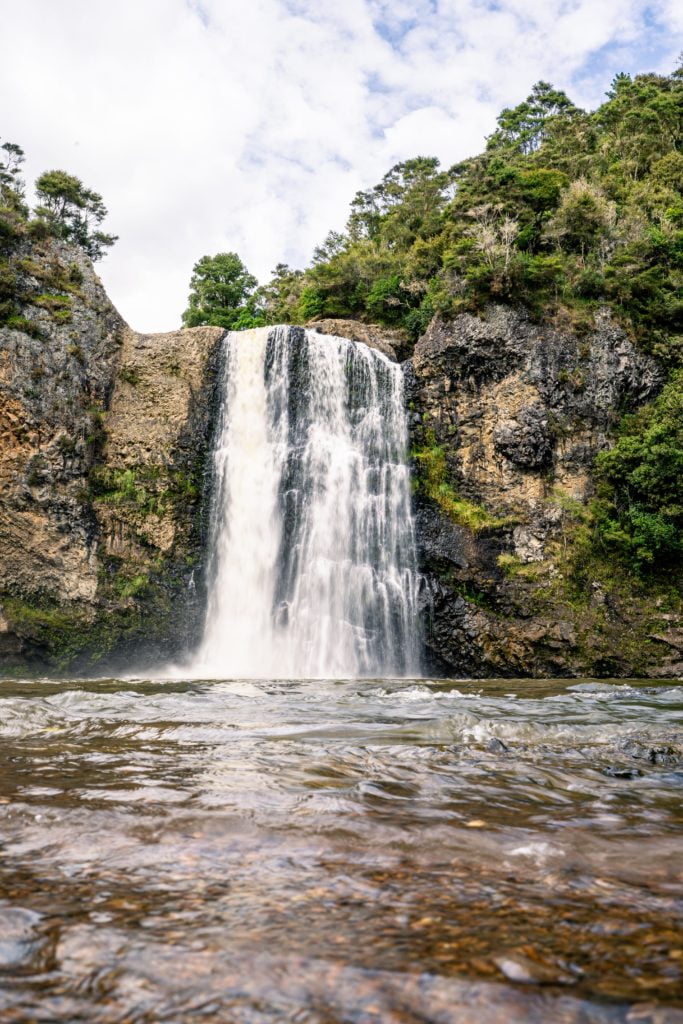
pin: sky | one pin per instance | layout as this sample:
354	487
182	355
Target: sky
248	125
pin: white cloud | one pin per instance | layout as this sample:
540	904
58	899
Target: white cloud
214	124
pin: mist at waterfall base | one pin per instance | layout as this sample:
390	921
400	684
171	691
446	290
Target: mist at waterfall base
311	553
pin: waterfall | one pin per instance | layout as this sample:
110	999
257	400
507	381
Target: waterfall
311	562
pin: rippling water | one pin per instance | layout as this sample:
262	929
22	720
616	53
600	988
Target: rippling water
322	852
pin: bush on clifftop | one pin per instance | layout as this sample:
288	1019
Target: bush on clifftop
563	209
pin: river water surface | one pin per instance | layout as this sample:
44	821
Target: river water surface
323	852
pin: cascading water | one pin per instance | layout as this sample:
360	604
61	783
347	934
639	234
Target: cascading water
311	547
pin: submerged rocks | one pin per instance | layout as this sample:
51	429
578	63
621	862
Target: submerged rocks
534	970
19	937
616	771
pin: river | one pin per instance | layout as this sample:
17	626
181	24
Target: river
340	851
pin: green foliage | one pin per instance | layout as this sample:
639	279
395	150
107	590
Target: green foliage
147	490
432	480
73	212
280	299
222	294
130	586
21	323
387	299
13	209
66	632
55	304
130	374
564	211
67	210
524	127
639	510
584	220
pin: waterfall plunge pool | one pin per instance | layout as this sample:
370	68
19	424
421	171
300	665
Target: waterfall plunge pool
369	851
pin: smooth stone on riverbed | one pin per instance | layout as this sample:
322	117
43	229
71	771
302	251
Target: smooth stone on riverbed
18	939
496	746
615	771
655	755
523	969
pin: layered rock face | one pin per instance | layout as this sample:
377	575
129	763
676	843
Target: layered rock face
54	387
103	438
516	413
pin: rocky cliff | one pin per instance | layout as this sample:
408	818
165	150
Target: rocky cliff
506	419
104	438
103	441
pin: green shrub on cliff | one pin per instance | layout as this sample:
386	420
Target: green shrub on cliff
432	479
71	211
639	511
67	210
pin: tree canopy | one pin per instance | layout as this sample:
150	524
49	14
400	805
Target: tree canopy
73	212
563	210
222	294
640	509
65	209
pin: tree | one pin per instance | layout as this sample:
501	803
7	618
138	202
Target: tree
73	211
222	294
585	218
13	209
10	170
278	299
406	203
524	127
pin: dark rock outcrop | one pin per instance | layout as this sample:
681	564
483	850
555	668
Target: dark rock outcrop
519	412
393	344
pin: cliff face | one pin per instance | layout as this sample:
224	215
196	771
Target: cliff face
506	420
103	439
55	384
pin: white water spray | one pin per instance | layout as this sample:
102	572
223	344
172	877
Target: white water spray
311	548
